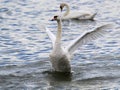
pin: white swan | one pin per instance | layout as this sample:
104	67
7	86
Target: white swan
60	56
80	15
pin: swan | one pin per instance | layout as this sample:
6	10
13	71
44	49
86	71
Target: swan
60	56
80	15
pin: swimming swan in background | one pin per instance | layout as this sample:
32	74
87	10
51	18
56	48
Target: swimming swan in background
80	15
60	56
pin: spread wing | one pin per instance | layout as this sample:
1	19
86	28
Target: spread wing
51	35
87	37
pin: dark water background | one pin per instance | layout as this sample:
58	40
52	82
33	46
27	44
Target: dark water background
25	47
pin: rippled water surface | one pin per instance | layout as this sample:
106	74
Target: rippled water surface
25	47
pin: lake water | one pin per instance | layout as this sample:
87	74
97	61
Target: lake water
25	46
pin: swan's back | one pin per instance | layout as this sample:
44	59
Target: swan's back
79	15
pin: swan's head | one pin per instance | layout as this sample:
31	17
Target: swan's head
55	18
62	6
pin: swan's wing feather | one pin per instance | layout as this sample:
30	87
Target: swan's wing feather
51	35
87	37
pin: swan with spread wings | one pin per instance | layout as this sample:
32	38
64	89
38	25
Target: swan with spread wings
60	57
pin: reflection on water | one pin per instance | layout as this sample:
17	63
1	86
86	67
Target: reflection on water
58	76
25	47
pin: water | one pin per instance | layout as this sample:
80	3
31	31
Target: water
25	47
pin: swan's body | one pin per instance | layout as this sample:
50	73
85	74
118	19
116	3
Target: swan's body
60	57
81	15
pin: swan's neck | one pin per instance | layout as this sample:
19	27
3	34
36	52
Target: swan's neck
59	32
68	10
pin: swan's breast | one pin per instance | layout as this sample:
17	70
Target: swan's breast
60	62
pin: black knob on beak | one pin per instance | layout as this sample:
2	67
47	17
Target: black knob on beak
61	8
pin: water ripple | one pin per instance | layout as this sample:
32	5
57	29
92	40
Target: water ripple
25	47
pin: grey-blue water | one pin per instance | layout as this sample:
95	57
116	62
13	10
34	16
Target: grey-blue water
25	47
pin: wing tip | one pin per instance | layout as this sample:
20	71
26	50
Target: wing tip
108	25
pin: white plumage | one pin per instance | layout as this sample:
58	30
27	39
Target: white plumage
80	15
60	56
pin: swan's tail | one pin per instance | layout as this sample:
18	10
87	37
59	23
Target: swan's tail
93	16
